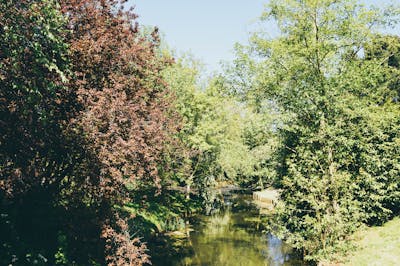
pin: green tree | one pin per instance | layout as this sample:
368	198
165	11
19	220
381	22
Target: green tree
329	96
202	131
223	137
33	101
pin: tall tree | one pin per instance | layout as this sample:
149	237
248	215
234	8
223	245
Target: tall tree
317	76
124	115
34	108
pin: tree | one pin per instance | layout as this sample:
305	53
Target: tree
316	75
33	75
224	139
124	117
35	106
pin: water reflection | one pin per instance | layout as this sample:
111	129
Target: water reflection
229	237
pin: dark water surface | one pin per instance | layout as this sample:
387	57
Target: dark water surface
233	236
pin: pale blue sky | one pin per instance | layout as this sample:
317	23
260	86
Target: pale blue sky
206	28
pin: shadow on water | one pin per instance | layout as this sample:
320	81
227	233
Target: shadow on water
232	236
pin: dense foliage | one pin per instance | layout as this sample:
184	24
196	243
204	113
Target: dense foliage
227	142
86	119
34	97
334	80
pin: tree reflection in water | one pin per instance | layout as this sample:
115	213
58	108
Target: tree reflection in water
229	237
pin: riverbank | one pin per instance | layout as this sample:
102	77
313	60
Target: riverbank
378	245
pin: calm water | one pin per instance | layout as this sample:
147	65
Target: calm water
233	236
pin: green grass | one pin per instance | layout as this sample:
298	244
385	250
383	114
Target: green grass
377	246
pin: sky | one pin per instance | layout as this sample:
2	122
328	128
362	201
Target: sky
208	29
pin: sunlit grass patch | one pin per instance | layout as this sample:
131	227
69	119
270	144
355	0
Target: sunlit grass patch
377	246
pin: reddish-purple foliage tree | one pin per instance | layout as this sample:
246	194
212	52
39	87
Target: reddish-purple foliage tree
124	118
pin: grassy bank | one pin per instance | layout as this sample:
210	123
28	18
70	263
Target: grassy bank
376	246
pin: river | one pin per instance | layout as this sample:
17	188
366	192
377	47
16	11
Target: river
232	236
